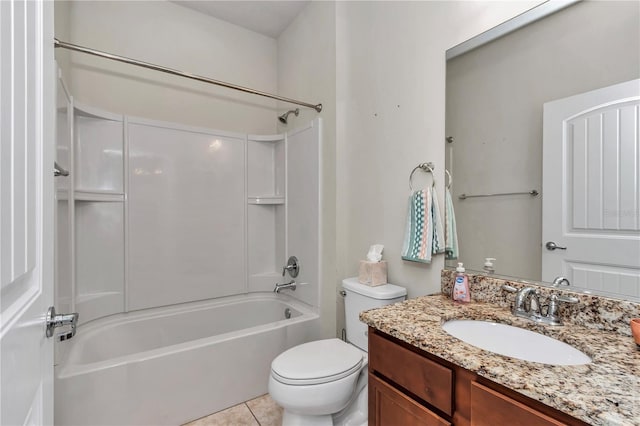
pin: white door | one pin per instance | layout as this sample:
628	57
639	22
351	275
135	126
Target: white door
26	211
591	189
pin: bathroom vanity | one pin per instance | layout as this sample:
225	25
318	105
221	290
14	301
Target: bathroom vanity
421	375
412	387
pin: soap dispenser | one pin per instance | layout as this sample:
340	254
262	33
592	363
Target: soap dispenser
488	265
461	292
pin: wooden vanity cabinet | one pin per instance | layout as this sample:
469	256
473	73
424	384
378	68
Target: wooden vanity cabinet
490	408
389	406
409	387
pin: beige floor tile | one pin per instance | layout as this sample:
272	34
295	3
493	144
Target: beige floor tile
266	411
238	415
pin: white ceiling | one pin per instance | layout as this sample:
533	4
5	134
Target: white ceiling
265	17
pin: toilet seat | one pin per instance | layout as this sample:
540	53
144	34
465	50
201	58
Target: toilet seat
317	362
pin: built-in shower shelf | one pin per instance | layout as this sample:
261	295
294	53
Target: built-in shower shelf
266	199
98	196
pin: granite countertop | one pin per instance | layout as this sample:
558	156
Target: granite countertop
604	392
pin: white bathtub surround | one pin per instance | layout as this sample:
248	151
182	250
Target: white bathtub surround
167	366
159	213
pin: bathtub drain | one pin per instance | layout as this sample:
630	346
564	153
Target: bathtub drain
287	313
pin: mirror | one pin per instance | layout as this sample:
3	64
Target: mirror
494	116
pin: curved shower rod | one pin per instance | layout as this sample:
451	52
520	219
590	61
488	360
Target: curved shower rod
89	51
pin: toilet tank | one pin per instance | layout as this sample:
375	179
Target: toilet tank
361	297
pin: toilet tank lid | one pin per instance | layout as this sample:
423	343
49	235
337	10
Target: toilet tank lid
380	292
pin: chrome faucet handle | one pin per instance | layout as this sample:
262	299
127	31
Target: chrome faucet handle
292	266
565	299
510	289
552	311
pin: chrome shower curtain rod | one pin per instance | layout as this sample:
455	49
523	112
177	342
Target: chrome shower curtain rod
77	48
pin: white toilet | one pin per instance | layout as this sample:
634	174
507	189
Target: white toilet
325	382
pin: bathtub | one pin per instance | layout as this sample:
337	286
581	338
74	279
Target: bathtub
167	366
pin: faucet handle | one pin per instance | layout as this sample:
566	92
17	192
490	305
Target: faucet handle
565	299
552	310
292	266
509	288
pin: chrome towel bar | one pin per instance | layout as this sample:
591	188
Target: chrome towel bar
533	193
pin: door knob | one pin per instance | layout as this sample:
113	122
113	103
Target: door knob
54	320
552	246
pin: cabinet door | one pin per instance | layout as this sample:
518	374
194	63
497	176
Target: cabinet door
390	407
490	408
426	379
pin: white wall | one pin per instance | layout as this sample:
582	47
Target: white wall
168	34
306	71
391	109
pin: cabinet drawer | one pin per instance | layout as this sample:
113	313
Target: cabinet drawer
390	407
489	407
424	378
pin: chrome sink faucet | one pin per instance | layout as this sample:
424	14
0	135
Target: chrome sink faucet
561	280
523	309
291	285
527	305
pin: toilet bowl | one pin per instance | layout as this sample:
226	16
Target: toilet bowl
324	382
316	378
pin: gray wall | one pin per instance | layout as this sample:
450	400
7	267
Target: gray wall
495	96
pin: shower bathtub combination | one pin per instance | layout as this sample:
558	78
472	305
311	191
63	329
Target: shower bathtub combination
167	366
170	240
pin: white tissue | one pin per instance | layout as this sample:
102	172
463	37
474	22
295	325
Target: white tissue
375	253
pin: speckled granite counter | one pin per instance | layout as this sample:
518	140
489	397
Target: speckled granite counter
605	392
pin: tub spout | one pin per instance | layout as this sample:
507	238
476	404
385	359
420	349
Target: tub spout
291	285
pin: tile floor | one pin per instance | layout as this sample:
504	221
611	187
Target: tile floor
261	411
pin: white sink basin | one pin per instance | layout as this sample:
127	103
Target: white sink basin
515	342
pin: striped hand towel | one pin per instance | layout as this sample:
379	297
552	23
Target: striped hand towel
450	232
438	245
423	232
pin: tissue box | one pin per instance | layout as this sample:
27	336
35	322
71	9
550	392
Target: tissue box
372	273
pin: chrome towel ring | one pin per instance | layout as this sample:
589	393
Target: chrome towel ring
425	167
